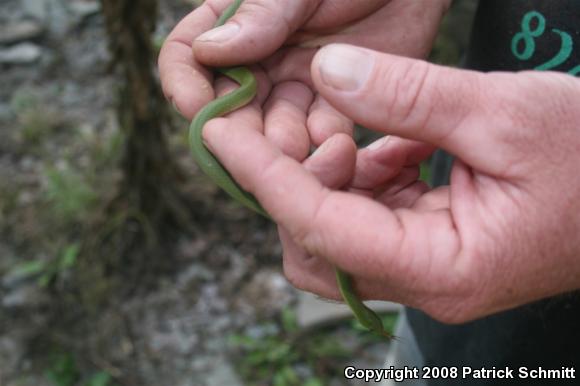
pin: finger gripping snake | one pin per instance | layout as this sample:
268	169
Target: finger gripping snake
219	175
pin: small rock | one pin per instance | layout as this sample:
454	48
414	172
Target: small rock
223	374
84	8
5	112
194	273
266	293
39	9
54	14
27	164
201	363
261	331
19	31
25	198
190	249
174	341
26	295
23	53
11	351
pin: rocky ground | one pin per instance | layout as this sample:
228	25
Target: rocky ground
56	123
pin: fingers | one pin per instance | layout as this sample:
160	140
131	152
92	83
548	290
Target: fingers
324	121
285	119
384	29
332	13
436	199
385	158
294	123
405	197
405	178
308	273
333	162
258	28
186	83
412	99
355	233
250	115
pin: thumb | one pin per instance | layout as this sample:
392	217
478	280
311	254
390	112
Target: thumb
257	30
410	98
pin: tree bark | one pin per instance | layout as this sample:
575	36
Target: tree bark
149	207
151	176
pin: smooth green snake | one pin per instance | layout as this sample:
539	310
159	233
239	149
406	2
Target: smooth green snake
220	176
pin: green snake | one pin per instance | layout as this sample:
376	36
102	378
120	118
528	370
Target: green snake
220	176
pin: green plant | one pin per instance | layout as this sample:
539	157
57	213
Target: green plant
62	370
101	378
36	120
69	195
47	271
286	356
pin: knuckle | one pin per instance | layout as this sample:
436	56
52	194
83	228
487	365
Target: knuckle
407	84
270	171
308	234
267	13
216	6
292	272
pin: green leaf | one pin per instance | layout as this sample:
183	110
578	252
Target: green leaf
313	382
256	358
328	348
30	268
63	370
69	256
279	352
69	194
45	279
243	341
280	380
290	375
289	321
99	379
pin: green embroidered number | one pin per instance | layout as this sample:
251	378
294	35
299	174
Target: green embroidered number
528	34
565	51
575	70
533	26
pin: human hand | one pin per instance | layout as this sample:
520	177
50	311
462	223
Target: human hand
504	233
300	26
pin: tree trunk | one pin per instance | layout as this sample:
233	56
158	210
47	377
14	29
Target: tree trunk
150	205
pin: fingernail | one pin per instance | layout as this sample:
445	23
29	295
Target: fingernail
326	145
379	143
220	34
345	68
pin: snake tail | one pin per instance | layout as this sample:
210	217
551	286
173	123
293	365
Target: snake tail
365	316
